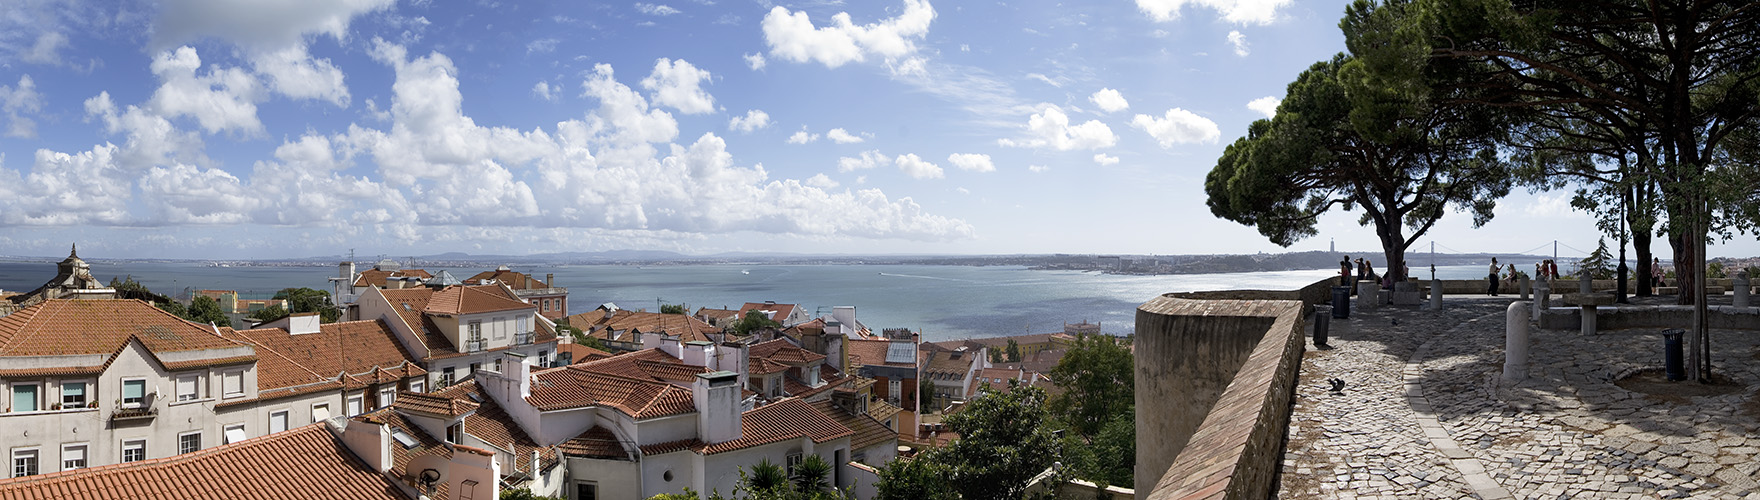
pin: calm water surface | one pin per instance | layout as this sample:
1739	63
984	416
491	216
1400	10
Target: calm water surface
945	302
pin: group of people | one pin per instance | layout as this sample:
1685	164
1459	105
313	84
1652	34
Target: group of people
1543	270
1363	270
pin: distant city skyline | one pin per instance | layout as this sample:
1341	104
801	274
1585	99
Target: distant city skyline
218	130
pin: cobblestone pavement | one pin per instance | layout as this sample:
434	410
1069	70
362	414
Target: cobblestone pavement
1566	432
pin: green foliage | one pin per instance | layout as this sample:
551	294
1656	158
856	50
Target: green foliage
1373	129
1599	263
304	300
1098	378
1014	351
205	310
582	338
1003	443
921	478
526	494
672	309
754	321
810	474
926	395
173	307
270	313
763	478
1714	270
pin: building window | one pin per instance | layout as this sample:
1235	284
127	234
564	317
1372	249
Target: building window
186	387
73	456
416	385
233	433
386	396
475	367
586	491
455	433
189	443
447	376
277	421
544	358
134	393
500	328
24	397
320	412
794	461
232	384
24	463
134	451
476	330
73	394
498	366
354	405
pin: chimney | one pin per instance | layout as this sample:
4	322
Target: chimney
302	323
717	398
523	370
550	280
669	345
531	284
650	340
698	352
370	441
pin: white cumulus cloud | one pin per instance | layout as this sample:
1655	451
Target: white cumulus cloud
752	120
971	161
802	136
17	102
679	84
917	168
792	36
656	10
842	136
1051	129
1109	100
543	90
221	99
1178	126
1239	41
1265	105
821	181
868	159
1105	159
755	61
1234	11
1037	168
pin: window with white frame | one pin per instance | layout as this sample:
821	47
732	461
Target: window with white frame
354	405
232	434
134	450
277	421
73	456
500	328
455	433
189	443
188	387
520	325
320	412
73	394
24	463
476	330
416	385
498	366
794	460
134	393
24	397
386	396
232	383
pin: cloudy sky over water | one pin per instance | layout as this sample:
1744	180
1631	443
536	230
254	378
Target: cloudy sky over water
283	128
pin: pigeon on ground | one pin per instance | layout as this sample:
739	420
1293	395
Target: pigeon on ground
1395	321
1337	385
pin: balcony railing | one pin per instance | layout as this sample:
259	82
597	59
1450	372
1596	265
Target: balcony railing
475	345
522	338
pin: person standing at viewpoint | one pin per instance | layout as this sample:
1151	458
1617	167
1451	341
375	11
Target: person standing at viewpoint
1493	277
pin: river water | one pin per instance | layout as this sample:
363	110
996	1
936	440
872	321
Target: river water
944	302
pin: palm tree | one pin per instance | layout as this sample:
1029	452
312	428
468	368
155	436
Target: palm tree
765	477
810	475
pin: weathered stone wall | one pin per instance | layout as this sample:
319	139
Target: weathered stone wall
1214	382
1318	292
1659	317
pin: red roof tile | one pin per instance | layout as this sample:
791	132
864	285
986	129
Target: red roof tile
434	404
790	418
686	328
303	463
492	424
597	442
872	352
574	387
783	351
63	327
514	279
866	431
377	278
456	300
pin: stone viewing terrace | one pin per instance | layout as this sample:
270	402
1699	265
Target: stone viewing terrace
1424	411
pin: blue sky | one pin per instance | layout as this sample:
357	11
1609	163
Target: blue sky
282	128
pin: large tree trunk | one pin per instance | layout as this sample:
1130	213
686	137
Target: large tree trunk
1641	244
1682	244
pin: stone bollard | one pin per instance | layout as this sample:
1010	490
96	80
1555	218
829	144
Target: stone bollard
1542	297
1515	344
1741	284
1585	284
1368	296
1523	286
1435	294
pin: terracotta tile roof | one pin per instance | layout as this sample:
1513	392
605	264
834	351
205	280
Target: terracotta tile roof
686	328
514	279
63	327
872	352
867	431
833	379
573	386
708	314
597	442
581	353
783	351
456	300
492	424
761	366
945	364
433	404
410	304
359	348
303	463
648	364
783	420
426	445
671	446
782	310
377	278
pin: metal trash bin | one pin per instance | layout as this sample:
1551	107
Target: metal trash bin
1341	302
1322	322
1671	349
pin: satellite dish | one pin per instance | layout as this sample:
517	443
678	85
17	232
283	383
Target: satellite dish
429	470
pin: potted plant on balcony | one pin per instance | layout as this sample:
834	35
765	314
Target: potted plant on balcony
93	404
55	406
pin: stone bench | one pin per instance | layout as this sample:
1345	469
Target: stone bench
1675	290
